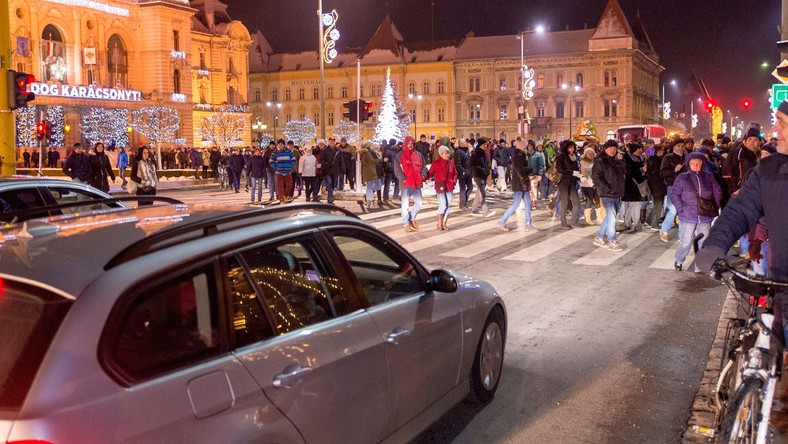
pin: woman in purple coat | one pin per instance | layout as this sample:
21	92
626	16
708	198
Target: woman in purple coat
688	190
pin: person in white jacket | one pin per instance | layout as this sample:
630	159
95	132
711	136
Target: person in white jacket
307	168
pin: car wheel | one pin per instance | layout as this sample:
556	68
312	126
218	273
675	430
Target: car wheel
488	361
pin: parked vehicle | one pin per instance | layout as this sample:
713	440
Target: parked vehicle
210	323
640	133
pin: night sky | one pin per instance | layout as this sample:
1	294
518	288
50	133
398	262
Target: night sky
724	41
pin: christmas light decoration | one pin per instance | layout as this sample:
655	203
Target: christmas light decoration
300	131
393	120
265	139
666	111
107	126
330	36
223	129
158	124
26	126
55	118
528	82
346	129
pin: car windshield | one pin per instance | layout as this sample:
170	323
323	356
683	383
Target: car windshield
629	135
29	317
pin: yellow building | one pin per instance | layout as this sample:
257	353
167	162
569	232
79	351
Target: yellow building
122	56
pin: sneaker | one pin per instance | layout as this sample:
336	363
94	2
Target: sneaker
614	246
476	213
677	266
530	227
653	228
599	242
409	229
663	236
489	213
503	226
414	224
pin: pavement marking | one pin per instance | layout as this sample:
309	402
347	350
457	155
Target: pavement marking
603	256
446	236
552	244
493	242
398	220
665	260
377	214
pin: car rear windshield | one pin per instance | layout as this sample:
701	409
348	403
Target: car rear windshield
29	318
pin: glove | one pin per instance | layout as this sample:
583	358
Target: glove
707	256
754	251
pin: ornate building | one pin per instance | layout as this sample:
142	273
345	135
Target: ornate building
125	55
608	75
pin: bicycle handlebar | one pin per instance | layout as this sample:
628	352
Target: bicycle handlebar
723	266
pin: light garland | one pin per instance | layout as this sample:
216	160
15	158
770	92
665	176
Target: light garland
176	97
393	120
97	6
330	36
178	54
55	118
26	126
222	128
108	126
158	124
300	131
346	129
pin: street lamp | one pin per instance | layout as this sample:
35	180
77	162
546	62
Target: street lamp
527	82
276	106
571	86
328	34
415	118
258	128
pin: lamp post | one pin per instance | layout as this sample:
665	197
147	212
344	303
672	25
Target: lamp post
527	82
328	53
571	86
662	107
258	128
276	106
416	117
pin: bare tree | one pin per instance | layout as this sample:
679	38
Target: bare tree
222	128
158	124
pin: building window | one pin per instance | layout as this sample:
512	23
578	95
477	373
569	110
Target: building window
412	88
53	55
579	108
441	87
288	118
274	95
202	61
502	83
579	79
426	115
559	80
287	94
611	135
540	81
559	110
614	77
176	82
301	94
360	90
502	111
257	95
607	78
301	116
316	93
475	112
441	115
330	117
117	62
540	109
425	88
176	40
317	119
412	115
330	92
230	66
611	108
343	92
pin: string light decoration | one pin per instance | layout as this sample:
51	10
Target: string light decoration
223	129
300	131
265	139
330	36
107	126
55	117
528	82
346	129
26	126
393	120
157	123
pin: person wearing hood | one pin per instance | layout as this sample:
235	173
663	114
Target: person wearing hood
389	152
100	168
480	168
567	165
444	172
696	196
411	164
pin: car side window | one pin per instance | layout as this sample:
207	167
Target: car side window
296	286
169	326
63	195
20	199
249	321
384	272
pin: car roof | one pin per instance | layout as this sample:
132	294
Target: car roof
31	181
70	252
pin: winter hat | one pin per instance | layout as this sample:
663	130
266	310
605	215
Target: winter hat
308	148
752	131
609	143
769	147
443	149
589	150
705	150
444	141
565	144
392	142
319	141
783	108
726	139
694	155
408	140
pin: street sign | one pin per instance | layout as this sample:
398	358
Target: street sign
779	94
776	74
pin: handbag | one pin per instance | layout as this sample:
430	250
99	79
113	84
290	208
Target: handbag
643	187
553	175
131	187
706	207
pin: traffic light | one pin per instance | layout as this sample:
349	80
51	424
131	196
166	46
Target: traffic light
352	108
41	130
746	104
709	106
18	95
366	110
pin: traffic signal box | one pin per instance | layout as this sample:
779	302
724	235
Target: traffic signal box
18	95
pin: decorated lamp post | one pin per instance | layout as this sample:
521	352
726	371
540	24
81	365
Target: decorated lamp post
571	86
329	34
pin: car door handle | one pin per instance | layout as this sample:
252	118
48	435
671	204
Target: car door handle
291	376
394	336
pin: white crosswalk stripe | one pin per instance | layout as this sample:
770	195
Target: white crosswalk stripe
665	260
550	245
397	220
494	242
451	235
603	256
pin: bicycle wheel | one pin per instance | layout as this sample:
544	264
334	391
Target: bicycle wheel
740	424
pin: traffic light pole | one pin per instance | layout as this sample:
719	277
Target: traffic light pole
358	123
7	139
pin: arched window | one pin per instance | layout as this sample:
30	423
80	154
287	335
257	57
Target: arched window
274	95
257	95
502	83
579	79
425	88
441	87
343	92
53	55
231	95
411	88
117	63
301	94
540	81
330	92
559	80
287	94
176	81
315	93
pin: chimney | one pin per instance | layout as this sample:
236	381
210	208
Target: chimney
470	34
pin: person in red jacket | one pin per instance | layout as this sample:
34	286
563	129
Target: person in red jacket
412	164
445	174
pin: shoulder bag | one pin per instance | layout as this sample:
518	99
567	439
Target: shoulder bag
706	207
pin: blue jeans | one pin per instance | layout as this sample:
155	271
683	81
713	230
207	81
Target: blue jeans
762	267
408	214
271	178
670	215
257	184
687	236
372	186
519	196
444	202
388	179
331	182
545	187
466	188
608	225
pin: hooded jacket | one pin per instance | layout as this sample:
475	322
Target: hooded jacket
521	171
685	197
480	163
443	170
412	164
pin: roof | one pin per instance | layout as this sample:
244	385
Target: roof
503	46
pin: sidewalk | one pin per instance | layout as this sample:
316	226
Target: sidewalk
174	185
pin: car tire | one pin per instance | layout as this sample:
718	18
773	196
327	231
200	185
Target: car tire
488	359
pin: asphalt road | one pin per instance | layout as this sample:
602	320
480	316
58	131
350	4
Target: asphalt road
601	346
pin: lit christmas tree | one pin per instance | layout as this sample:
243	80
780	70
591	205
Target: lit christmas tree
26	126
55	119
300	131
223	129
158	124
391	124
107	126
346	129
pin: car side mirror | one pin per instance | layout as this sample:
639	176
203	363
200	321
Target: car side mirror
442	281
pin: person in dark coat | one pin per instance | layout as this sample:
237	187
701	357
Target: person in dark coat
480	168
423	148
609	174
567	165
331	167
100	169
521	187
657	186
26	158
672	165
635	175
389	176
462	161
685	194
257	173
77	165
236	165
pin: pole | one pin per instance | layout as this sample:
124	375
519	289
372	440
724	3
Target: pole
322	71
571	104
7	150
522	85
662	106
358	124
40	157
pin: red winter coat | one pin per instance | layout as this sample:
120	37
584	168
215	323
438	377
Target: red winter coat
412	164
443	170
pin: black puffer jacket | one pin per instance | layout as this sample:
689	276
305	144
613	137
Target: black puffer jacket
480	163
100	169
521	172
668	168
462	160
565	166
634	174
655	182
609	175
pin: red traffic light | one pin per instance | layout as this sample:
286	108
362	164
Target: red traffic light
41	130
746	104
709	106
18	94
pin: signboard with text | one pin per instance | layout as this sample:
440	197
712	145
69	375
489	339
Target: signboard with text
779	94
84	92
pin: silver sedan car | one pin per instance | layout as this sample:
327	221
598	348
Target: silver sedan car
207	323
